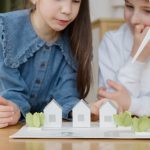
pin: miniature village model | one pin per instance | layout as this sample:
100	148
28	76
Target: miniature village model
81	117
49	124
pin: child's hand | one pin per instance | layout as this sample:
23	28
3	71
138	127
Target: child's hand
95	109
9	113
139	34
121	95
99	97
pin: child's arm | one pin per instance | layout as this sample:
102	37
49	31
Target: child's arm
13	91
13	87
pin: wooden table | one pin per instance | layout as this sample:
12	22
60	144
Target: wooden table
67	144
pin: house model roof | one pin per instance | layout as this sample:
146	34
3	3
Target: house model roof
110	102
81	101
51	103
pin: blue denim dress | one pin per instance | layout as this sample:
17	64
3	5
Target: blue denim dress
32	71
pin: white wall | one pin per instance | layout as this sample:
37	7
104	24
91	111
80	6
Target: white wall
106	8
100	9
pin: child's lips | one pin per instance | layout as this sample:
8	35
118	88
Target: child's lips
63	22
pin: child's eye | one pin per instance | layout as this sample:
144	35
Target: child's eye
77	1
147	11
129	6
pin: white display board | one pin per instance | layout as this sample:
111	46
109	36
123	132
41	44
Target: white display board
67	131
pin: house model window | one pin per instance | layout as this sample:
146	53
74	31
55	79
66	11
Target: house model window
52	118
108	118
80	117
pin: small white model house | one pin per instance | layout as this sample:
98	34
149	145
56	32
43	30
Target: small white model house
53	115
106	112
81	115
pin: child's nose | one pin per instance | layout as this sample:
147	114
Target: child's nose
135	19
67	7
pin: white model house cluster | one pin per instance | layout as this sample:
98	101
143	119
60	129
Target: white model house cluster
81	115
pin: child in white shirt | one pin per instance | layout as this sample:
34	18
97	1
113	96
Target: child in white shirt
125	83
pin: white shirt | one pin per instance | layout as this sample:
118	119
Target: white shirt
115	64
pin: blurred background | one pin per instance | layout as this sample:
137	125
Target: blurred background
7	5
105	15
99	8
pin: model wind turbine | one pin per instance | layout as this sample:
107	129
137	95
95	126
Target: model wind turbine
143	44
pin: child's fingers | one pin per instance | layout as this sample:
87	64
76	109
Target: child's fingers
6	108
99	97
6	114
3	125
107	95
94	113
6	120
100	102
139	29
114	85
102	88
95	108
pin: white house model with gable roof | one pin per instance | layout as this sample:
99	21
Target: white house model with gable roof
81	115
106	112
53	115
